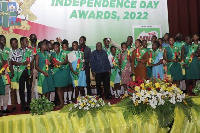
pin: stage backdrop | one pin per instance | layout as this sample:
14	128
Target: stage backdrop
70	19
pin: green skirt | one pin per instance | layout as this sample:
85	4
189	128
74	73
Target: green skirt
61	78
176	71
47	85
193	71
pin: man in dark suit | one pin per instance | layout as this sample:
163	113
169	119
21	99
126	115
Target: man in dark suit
100	67
87	54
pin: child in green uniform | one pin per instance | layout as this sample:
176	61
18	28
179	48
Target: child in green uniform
171	55
45	79
77	67
190	53
6	57
60	77
179	42
69	88
23	58
115	72
166	40
162	49
14	46
2	86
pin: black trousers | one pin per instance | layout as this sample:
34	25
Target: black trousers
105	77
56	99
25	79
87	74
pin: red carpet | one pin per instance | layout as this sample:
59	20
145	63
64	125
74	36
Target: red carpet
112	101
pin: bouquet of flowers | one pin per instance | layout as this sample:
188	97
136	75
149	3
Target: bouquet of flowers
92	104
156	96
89	102
154	92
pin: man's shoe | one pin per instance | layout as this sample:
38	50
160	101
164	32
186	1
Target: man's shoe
28	108
14	109
2	114
23	109
108	97
6	111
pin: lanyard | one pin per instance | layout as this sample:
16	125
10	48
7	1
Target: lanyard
58	56
77	54
45	55
23	54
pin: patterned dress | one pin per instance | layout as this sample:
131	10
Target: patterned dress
125	74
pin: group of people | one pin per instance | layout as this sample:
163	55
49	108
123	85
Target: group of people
59	68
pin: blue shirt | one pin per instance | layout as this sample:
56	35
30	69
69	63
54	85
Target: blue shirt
164	45
158	69
99	62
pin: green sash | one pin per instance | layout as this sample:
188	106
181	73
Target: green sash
59	58
179	44
6	54
41	77
18	70
154	55
173	50
115	71
161	50
129	52
142	52
80	57
26	55
34	50
7	57
124	62
1	58
66	53
189	57
164	64
15	79
63	56
150	58
2	86
107	50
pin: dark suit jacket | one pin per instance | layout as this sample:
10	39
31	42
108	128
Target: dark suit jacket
87	53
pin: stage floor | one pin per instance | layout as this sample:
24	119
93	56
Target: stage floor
112	101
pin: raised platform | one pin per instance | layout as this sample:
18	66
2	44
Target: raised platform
104	122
